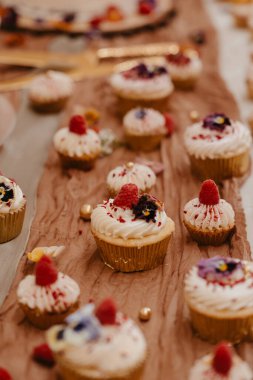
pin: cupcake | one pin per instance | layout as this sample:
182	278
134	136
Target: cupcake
77	145
144	128
49	296
98	343
132	231
50	92
218	147
185	68
140	175
209	219
145	85
12	209
219	294
222	364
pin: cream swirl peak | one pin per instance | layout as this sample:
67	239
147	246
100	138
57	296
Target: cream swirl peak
217	136
11	196
129	215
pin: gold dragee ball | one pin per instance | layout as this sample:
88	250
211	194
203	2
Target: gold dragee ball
194	115
86	211
130	165
145	314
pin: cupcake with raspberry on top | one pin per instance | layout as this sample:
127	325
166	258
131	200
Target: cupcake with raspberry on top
48	296
223	363
209	219
132	231
185	68
77	145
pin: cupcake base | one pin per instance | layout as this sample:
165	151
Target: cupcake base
11	224
126	104
112	192
185	84
134	255
76	162
145	143
215	238
220	168
49	107
227	326
45	320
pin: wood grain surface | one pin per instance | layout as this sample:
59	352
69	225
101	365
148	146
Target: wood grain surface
172	345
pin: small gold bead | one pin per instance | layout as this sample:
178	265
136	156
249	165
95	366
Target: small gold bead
86	211
130	165
145	314
194	115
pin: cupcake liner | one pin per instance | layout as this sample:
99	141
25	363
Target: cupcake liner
44	320
216	238
145	143
11	224
185	84
112	192
133	259
220	168
49	107
77	163
233	329
126	104
69	373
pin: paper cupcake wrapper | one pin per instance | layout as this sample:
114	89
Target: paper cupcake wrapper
77	163
222	168
145	143
44	320
184	84
49	107
209	238
126	104
214	330
11	224
112	193
133	259
69	373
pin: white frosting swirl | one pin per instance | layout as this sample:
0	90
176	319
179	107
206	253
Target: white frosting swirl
152	123
119	349
18	199
159	86
54	298
209	217
140	175
75	145
202	370
185	71
50	87
117	222
213	296
205	143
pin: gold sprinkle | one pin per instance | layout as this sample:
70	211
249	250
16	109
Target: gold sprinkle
145	314
86	211
130	165
194	115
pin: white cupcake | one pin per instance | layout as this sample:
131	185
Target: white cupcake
49	92
140	175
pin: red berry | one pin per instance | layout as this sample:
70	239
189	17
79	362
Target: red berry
96	21
127	197
106	312
77	125
169	123
4	375
45	272
145	8
43	355
209	193
222	360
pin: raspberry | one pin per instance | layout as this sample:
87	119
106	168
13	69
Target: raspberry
4	375
169	123
45	272
209	193
95	22
77	125
222	360
145	8
106	312
127	197
43	355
